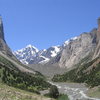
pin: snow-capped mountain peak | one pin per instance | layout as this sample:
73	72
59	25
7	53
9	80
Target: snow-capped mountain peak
31	55
32	47
26	53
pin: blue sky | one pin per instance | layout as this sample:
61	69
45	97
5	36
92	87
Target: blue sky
44	23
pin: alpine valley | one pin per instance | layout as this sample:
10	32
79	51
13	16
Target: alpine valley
76	60
73	67
75	51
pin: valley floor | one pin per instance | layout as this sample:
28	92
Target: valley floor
10	93
77	91
94	92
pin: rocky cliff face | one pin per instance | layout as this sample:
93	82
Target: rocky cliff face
3	45
77	49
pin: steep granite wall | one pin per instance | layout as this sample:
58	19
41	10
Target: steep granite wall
76	50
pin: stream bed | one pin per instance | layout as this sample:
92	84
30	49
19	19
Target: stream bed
74	91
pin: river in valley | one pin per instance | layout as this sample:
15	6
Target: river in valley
74	91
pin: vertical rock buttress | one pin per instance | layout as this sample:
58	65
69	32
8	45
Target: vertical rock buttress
97	50
4	48
1	29
98	31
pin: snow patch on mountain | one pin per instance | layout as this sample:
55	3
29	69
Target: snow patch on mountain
69	40
66	42
32	47
55	51
74	38
45	60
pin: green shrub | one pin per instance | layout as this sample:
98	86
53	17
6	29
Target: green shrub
54	93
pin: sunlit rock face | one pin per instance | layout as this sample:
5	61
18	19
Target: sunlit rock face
77	49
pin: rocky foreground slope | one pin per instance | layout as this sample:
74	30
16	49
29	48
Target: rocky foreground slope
10	93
